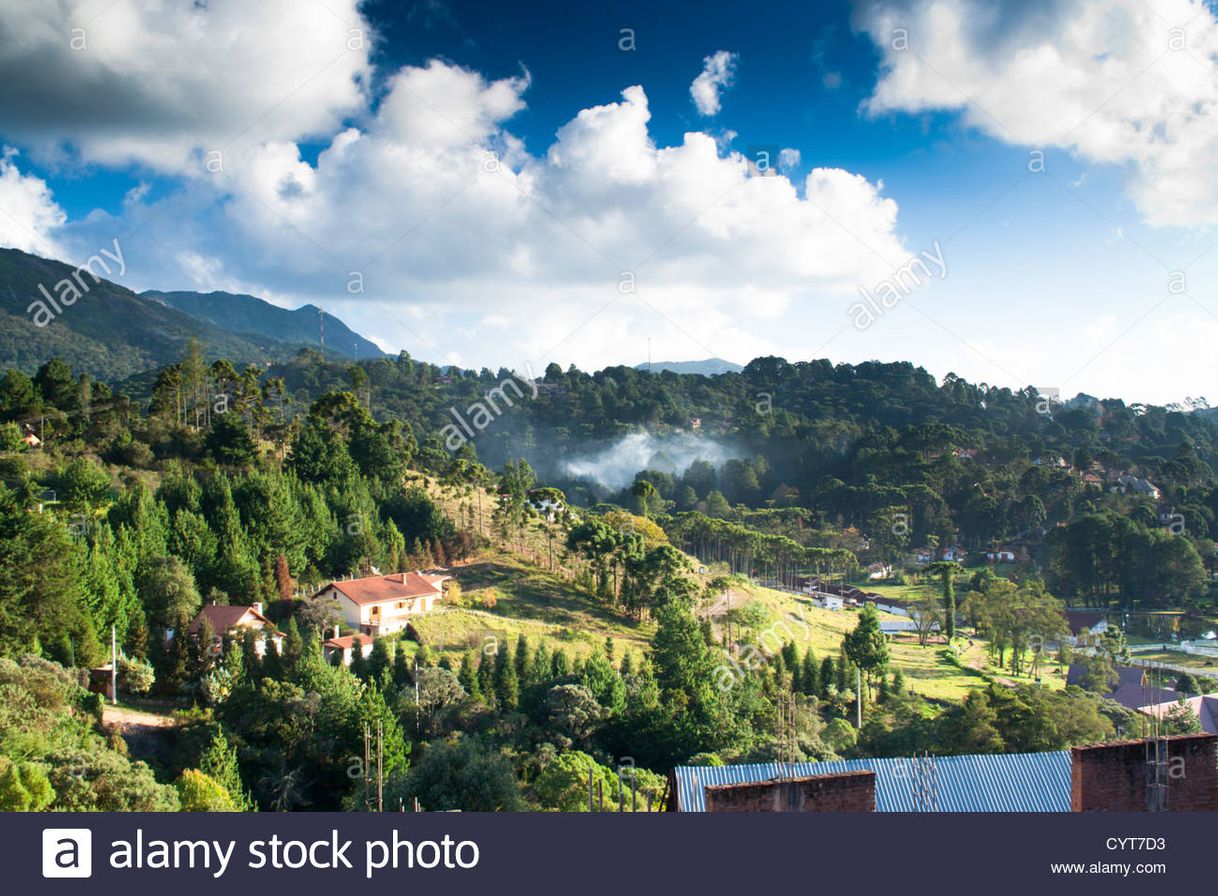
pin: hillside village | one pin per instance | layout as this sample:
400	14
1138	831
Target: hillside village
264	598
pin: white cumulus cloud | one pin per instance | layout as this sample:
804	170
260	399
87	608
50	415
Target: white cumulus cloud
29	215
161	84
1124	82
718	72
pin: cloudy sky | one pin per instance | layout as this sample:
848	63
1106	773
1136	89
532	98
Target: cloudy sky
491	185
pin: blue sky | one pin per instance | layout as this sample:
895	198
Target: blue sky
364	162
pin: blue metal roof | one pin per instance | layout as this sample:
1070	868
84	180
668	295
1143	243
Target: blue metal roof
1013	782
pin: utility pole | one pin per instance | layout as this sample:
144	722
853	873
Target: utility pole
113	665
367	766
380	767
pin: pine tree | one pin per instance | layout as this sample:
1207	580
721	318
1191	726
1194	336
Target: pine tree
898	682
561	664
199	648
379	660
249	653
790	657
468	676
507	684
828	675
524	659
542	666
173	658
810	675
136	644
272	661
401	668
358	665
234	659
219	762
486	678
293	646
438	552
283	579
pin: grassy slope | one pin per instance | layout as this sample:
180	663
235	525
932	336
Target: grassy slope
545	606
529	601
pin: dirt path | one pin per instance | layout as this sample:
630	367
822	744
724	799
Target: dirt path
728	600
150	735
126	717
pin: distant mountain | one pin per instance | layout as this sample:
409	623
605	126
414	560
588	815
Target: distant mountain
709	367
258	318
49	309
104	329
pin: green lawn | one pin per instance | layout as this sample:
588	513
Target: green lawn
529	601
926	669
544	606
1203	664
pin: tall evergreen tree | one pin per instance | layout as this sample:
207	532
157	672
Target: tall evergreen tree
468	675
507	684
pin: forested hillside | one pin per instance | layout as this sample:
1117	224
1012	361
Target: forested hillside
256	487
111	333
255	318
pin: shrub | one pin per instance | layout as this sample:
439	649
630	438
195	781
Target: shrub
135	676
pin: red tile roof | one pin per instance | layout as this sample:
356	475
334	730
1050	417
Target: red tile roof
399	586
346	642
223	618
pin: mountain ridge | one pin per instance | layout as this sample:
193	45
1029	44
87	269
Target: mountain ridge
247	314
52	309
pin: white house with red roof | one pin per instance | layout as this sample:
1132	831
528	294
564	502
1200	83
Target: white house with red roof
235	620
381	605
346	646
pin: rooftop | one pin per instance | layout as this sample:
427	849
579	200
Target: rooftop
398	586
1014	782
224	617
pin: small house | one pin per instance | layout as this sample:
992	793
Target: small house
346	645
234	621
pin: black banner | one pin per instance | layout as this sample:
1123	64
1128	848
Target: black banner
605	853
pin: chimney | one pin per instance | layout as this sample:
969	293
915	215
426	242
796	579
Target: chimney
336	629
258	607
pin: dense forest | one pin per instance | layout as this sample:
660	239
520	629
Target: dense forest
127	507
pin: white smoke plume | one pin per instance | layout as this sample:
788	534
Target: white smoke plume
615	466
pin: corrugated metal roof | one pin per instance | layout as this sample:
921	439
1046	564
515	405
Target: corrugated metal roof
1013	782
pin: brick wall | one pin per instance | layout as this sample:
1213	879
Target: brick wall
1115	777
842	792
